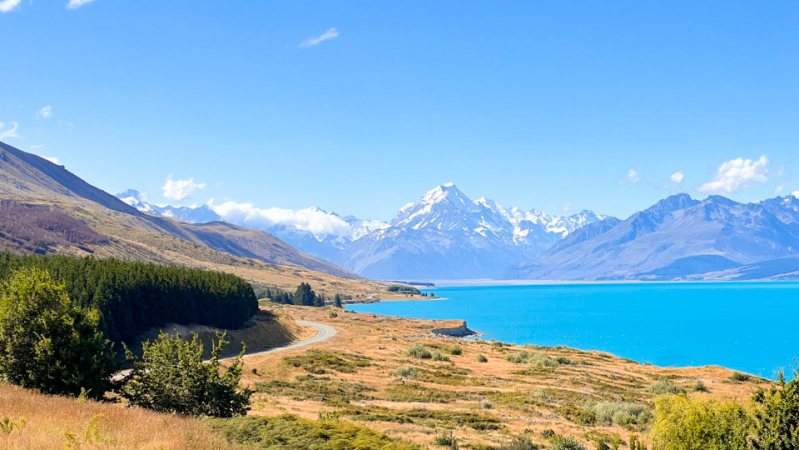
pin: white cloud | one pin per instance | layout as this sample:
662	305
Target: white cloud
45	113
12	133
312	220
676	177
9	5
36	147
75	4
52	159
634	175
779	189
329	34
179	189
737	174
795	194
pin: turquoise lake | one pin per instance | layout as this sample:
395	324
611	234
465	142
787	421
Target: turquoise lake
743	326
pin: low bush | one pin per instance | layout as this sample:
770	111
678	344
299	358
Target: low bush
481	358
536	359
564	443
520	443
455	350
664	386
699	386
406	372
618	413
323	389
418	351
739	377
438	356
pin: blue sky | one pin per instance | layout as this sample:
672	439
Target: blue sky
558	106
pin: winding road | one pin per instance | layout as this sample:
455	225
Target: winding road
324	332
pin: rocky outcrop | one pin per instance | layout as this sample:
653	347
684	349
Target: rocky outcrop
457	331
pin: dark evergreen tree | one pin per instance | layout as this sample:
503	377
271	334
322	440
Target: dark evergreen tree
304	295
337	301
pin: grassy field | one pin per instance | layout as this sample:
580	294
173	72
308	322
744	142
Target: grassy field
392	376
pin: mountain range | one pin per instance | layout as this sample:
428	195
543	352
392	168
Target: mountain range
443	235
679	238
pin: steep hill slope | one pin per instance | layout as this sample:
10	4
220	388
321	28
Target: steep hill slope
45	208
679	238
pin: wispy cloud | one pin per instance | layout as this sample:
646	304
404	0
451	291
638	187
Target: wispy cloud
52	159
312	220
179	189
45	113
327	35
676	177
8	5
11	133
75	4
737	174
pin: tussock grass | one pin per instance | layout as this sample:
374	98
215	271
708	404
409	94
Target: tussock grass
448	418
664	386
415	392
406	372
319	362
323	389
535	359
418	351
293	432
53	422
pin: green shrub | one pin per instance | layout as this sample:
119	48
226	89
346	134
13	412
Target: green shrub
777	415
563	360
664	386
172	377
481	358
455	350
739	377
485	404
619	413
406	372
446	440
418	351
47	342
520	443
564	443
683	423
438	356
293	432
699	386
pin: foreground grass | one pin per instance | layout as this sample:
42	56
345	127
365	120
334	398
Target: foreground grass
48	422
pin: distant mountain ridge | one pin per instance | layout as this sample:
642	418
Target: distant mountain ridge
45	208
679	238
443	235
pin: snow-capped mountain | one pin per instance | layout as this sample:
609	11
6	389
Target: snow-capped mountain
680	238
445	235
197	214
442	235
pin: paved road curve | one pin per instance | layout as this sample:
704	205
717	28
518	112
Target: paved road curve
324	332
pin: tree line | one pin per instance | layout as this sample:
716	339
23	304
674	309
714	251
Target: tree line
132	297
303	296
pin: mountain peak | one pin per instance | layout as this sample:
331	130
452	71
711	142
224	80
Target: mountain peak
446	192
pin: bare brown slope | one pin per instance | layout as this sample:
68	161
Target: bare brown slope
27	179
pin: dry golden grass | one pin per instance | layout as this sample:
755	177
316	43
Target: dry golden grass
540	399
55	422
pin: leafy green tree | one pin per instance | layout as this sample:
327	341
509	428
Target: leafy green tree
47	343
172	377
337	301
777	418
686	424
304	295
